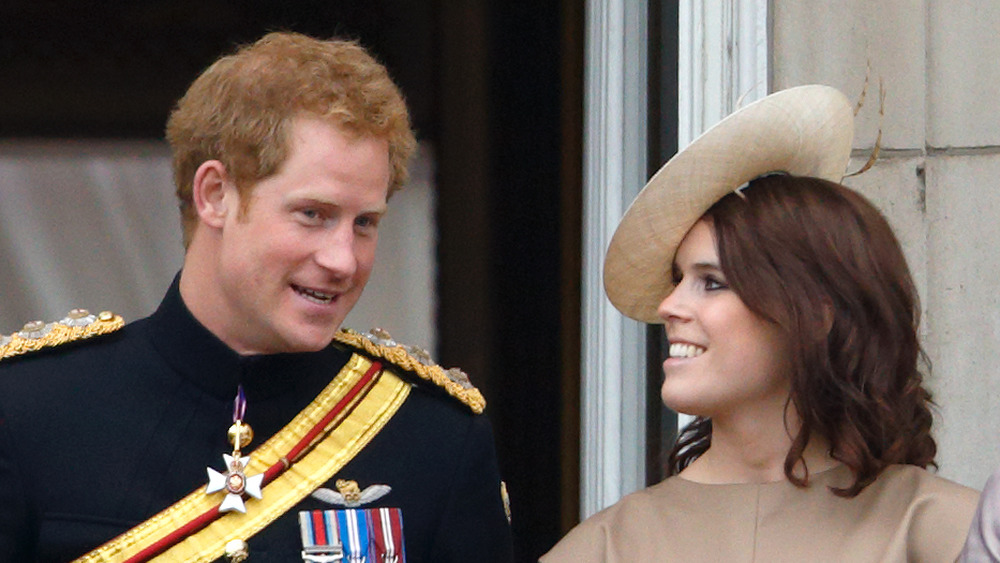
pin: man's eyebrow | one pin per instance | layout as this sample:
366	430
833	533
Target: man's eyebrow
379	209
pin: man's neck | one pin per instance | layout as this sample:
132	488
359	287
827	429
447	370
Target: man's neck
199	294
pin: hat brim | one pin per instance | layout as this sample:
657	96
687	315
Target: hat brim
804	131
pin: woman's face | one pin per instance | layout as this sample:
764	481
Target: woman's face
723	358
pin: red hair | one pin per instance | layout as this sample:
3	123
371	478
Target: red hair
240	110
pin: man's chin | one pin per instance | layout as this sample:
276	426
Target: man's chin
309	341
301	346
302	333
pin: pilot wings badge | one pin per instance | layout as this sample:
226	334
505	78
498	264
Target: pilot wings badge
350	495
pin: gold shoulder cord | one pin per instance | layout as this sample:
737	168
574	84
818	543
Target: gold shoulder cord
78	324
378	344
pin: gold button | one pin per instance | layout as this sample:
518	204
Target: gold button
237	551
246	435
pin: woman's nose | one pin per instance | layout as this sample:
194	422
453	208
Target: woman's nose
672	306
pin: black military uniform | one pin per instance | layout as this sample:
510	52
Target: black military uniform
97	436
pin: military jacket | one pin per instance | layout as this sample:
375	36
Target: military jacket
98	436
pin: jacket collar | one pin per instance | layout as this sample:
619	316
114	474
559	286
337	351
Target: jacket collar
207	362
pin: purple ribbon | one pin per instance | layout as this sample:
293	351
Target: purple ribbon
239	405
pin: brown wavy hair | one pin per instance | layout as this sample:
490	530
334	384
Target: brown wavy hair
820	262
239	111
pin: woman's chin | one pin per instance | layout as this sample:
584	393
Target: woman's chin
682	406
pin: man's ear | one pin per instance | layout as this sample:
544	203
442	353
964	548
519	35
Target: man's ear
212	193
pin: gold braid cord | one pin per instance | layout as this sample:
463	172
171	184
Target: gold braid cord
378	344
78	325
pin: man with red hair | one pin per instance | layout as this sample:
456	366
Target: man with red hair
239	418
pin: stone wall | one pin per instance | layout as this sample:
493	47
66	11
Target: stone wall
937	180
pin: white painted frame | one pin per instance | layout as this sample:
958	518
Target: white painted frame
613	399
722	61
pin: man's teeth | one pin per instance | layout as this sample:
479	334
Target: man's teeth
685	351
315	296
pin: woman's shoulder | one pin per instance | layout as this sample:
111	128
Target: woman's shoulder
636	507
595	537
936	512
927	486
924	498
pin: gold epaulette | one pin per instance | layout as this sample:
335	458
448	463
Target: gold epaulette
378	344
77	325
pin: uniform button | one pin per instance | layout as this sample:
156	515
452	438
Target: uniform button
237	551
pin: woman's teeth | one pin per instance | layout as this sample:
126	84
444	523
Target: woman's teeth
685	351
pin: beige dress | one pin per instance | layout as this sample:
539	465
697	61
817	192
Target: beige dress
907	514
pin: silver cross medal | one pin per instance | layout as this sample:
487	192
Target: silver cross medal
235	480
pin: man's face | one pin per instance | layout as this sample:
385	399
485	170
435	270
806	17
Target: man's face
294	264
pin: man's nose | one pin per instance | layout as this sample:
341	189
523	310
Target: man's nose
337	253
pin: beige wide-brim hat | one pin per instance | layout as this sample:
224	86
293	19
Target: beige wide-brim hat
804	131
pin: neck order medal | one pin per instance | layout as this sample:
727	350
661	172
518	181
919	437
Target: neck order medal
235	481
